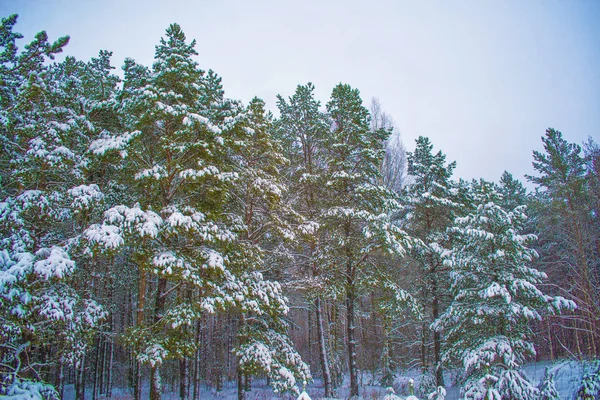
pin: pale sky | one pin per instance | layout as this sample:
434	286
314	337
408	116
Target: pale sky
482	79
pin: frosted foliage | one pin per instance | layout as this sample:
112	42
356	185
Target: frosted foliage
273	354
108	237
108	142
514	385
13	268
481	389
154	354
590	384
547	387
439	394
391	394
144	223
53	263
29	390
85	196
495	297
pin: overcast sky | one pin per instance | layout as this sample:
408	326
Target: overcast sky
482	79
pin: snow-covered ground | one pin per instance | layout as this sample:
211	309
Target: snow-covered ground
567	378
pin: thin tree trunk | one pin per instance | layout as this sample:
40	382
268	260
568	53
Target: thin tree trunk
159	307
241	393
80	380
350	303
323	350
183	378
109	382
97	368
550	342
579	353
437	339
139	321
196	392
386	378
61	380
424	332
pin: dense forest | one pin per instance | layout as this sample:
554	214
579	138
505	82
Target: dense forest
155	232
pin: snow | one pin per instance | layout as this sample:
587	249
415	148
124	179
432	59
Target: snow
13	268
567	378
29	390
85	196
107	142
55	263
189	120
144	223
106	236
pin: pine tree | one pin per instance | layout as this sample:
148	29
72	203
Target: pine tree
178	226
494	298
264	229
431	206
357	221
547	388
565	218
589	388
43	192
302	129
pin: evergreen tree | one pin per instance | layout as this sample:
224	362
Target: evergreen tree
547	388
177	226
264	227
589	388
302	129
356	218
43	191
566	220
494	298
431	206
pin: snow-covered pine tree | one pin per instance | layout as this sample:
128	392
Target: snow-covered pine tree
171	224
565	217
547	388
589	388
176	224
495	296
357	211
431	205
264	228
43	189
302	128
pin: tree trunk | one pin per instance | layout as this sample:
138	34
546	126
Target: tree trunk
323	350
424	332
350	303
109	381
155	382
437	339
241	393
386	379
61	380
159	307
183	378
97	368
139	321
196	392
80	380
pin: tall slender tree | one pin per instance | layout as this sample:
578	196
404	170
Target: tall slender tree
431	205
302	128
565	217
357	214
